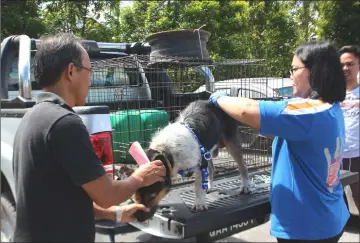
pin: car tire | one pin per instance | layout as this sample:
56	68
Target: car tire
8	216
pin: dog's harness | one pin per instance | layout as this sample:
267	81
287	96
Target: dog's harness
203	166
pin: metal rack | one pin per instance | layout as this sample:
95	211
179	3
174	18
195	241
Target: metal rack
166	85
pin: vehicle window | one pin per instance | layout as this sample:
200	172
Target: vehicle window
14	78
99	77
115	75
112	76
285	91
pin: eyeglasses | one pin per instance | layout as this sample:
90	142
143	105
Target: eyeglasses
86	68
292	70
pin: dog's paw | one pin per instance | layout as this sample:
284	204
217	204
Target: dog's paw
200	205
245	187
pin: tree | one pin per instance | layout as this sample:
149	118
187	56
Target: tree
339	21
273	34
21	17
306	14
77	17
268	30
131	26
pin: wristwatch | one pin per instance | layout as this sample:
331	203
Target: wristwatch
118	214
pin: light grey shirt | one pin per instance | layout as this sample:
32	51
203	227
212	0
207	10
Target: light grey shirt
350	107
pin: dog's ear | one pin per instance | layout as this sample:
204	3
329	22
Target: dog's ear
169	158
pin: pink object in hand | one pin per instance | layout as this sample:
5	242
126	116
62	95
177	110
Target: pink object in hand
138	153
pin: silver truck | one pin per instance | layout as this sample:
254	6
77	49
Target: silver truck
136	87
95	118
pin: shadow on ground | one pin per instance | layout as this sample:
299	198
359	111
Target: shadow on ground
353	229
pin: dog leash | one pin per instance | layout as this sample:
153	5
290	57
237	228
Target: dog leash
206	157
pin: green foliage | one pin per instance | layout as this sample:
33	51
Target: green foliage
78	17
268	30
21	17
273	34
131	26
238	29
306	13
339	21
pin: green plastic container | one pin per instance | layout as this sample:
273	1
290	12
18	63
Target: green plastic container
134	125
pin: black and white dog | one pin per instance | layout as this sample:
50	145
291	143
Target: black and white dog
187	146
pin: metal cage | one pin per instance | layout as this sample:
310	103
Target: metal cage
145	95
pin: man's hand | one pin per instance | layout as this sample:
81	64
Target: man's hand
128	212
215	96
149	173
106	192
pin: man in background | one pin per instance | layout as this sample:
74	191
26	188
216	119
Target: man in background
350	60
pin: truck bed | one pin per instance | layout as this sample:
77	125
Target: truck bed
228	210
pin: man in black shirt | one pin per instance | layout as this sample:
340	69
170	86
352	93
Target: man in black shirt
58	176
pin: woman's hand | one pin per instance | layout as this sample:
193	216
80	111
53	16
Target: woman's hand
241	109
215	96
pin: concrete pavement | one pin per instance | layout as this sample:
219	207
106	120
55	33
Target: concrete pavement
262	234
257	234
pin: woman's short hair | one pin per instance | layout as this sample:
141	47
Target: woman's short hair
327	79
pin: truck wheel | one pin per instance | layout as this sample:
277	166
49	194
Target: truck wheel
8	216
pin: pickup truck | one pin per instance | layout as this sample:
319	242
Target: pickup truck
229	212
95	118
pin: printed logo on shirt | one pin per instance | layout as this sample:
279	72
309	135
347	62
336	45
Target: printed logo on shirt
351	101
351	106
333	165
305	106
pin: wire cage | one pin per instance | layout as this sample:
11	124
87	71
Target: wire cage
144	96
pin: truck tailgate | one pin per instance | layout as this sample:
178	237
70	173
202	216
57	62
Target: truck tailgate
227	209
176	220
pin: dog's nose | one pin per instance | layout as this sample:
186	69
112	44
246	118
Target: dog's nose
141	216
189	174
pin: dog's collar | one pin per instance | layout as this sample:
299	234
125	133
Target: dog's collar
204	153
206	157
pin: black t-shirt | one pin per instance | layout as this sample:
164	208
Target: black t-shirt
53	157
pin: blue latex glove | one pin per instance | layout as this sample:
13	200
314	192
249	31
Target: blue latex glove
215	96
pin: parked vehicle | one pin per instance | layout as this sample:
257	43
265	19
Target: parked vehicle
95	118
123	81
255	88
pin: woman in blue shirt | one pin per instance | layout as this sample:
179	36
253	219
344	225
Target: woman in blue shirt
306	194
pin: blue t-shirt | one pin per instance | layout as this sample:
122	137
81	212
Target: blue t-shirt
306	195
